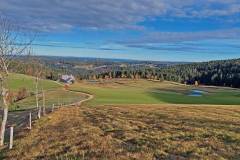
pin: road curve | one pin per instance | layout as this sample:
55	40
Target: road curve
20	118
90	97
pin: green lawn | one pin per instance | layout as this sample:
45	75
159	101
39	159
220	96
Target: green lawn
120	95
56	97
55	94
147	92
18	81
219	97
122	92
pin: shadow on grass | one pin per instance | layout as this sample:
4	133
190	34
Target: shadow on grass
221	98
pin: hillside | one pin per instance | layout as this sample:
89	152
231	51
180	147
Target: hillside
18	81
129	119
54	92
134	132
217	73
119	79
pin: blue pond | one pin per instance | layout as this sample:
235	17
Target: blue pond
196	93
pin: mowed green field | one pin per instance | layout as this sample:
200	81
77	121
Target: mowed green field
121	91
149	92
18	81
56	97
54	92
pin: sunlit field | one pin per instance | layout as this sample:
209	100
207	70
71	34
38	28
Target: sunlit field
131	119
54	92
56	97
134	132
122	91
18	81
120	79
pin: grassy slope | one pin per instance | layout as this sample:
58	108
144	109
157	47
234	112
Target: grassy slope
147	92
54	92
57	97
18	81
134	132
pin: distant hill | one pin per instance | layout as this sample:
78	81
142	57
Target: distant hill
105	60
219	73
82	67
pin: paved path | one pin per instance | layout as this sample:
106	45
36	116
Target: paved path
20	119
89	97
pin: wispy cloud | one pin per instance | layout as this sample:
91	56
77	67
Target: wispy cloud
165	37
189	49
70	45
158	47
48	15
219	41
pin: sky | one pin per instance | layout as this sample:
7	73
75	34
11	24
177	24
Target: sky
159	30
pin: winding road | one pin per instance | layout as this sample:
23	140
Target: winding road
20	119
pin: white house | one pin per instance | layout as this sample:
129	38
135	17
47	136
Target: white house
69	79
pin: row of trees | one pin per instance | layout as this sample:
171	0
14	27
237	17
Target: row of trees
219	73
30	65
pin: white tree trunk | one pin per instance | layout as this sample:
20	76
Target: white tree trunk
44	105
5	115
12	44
37	104
3	126
53	106
11	138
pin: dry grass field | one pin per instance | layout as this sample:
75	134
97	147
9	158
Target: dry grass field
161	131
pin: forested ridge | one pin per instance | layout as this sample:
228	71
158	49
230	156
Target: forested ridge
25	66
218	73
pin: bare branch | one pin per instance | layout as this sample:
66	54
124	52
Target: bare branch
13	43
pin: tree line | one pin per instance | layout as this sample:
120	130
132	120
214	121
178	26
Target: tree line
218	73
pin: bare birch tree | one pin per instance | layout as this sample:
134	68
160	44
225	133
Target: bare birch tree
38	75
37	68
37	99
13	43
43	103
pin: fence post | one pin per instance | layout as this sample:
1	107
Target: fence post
44	104
39	114
53	107
30	120
11	138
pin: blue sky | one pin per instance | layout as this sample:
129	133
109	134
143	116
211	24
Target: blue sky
176	30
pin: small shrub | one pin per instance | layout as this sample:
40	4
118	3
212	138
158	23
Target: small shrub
22	93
